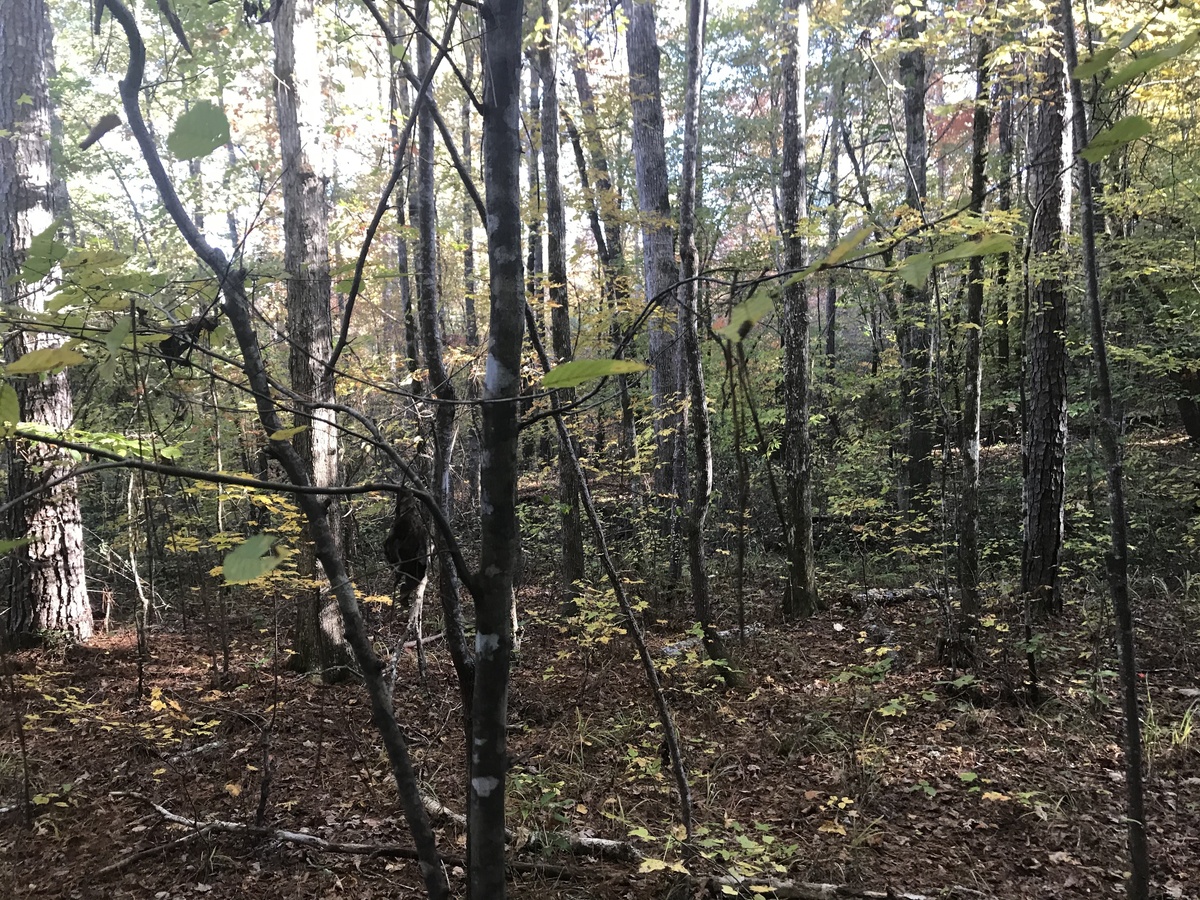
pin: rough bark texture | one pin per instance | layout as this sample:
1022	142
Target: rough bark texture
46	589
571	536
913	328
1046	350
658	245
319	641
499	534
968	547
801	598
1138	885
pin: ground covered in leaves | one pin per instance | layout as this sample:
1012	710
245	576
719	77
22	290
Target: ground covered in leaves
849	754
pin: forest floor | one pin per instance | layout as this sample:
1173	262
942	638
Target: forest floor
848	755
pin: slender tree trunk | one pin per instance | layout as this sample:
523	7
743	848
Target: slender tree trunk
914	327
968	546
1003	292
1046	351
800	600
319	643
571	537
658	254
1138	886
499	532
689	266
47	590
835	227
470	287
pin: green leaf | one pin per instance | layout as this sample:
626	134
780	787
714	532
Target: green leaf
43	255
118	333
844	247
284	433
199	131
247	561
1112	139
984	245
578	371
1148	61
916	268
10	410
967	777
45	360
1095	65
746	315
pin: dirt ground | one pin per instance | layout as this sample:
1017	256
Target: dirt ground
848	755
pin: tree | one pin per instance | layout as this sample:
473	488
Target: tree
319	642
47	589
1045	448
801	599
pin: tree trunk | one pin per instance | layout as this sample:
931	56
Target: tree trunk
470	286
499	533
658	254
571	536
968	547
319	642
1138	886
913	327
1003	292
1046	351
47	590
800	599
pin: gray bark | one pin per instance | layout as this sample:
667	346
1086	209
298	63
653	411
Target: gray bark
47	590
499	531
319	641
800	599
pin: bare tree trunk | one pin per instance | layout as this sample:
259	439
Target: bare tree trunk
1046	438
968	541
499	531
658	252
571	537
913	328
800	599
838	112
1003	291
47	590
470	285
319	643
1138	886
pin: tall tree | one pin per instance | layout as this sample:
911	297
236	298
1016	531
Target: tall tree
1045	447
499	532
571	537
913	325
47	590
320	644
801	598
658	251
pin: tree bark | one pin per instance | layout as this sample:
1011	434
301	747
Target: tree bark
658	255
319	641
800	599
499	531
968	546
1138	885
1046	351
47	589
571	528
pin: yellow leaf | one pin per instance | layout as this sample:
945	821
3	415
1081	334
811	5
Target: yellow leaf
832	828
233	790
158	772
660	865
994	795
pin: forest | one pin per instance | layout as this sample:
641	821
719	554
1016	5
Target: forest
485	448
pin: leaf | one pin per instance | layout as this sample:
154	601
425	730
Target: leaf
10	546
43	255
284	433
994	796
118	333
1148	61
246	562
968	777
832	828
1109	140
916	268
199	131
984	245
746	315
233	789
578	371
45	359
844	247
10	410
660	865
1095	64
